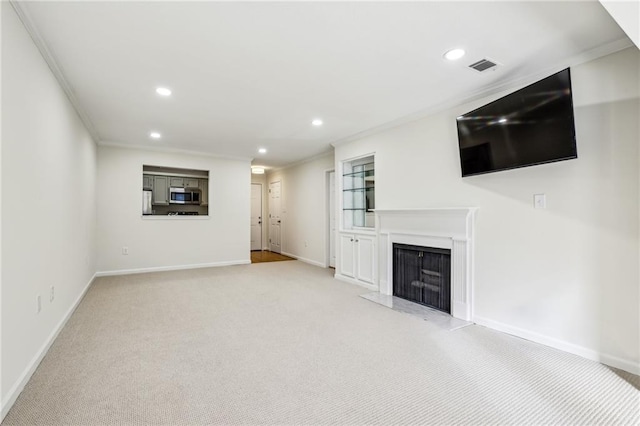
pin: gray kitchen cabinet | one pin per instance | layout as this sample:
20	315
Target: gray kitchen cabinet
160	190
191	183
176	182
203	184
147	182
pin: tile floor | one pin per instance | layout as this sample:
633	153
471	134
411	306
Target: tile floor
434	316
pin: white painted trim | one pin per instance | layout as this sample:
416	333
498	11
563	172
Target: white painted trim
22	10
350	280
613	361
174	217
305	260
167	150
171	268
17	388
327	210
432	211
303	161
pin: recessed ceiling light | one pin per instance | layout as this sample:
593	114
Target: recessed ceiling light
163	91
454	54
502	120
155	135
317	122
257	170
262	150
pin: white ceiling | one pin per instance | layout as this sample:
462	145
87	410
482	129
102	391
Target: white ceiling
250	75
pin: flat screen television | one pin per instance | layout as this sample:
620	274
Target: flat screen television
534	125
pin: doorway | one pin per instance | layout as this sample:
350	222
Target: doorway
256	216
275	221
331	215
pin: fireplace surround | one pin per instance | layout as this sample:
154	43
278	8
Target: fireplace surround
440	228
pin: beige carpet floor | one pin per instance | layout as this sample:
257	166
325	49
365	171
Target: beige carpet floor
285	343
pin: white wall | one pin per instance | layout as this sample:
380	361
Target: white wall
304	208
567	276
48	209
173	242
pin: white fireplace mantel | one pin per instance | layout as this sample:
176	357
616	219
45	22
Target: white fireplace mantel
450	228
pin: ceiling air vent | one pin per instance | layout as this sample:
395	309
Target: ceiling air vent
482	65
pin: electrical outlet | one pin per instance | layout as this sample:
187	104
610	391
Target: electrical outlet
38	304
539	201
52	294
125	250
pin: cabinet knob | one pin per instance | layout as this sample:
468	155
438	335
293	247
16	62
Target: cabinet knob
351	239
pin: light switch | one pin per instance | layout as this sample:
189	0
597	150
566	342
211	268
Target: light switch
539	201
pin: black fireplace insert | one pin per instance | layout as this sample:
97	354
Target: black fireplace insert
423	275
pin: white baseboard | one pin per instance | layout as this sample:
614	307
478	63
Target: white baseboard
613	361
350	280
17	388
171	268
302	259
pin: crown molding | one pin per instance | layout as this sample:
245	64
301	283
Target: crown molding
493	89
21	9
167	150
322	154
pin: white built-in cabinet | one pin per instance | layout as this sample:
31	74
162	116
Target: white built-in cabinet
358	257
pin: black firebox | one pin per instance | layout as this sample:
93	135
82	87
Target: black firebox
423	275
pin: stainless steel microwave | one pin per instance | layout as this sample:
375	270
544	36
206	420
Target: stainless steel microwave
184	196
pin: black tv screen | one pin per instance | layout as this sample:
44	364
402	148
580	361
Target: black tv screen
531	126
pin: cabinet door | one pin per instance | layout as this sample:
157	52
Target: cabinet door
147	182
160	190
176	182
365	258
203	184
347	255
190	183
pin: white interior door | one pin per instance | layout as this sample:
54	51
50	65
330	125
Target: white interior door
256	216
332	219
275	221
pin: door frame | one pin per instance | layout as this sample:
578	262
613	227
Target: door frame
261	215
327	221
